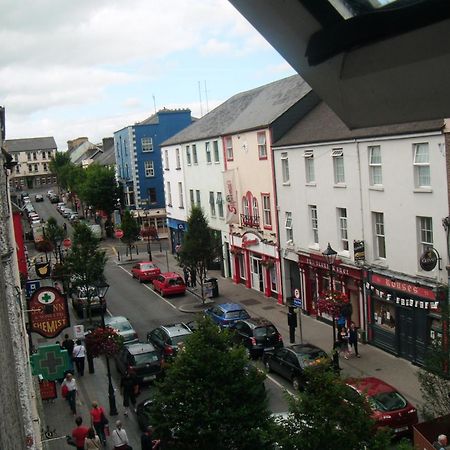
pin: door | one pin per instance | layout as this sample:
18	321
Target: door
406	334
257	274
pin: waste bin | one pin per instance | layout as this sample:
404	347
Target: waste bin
212	287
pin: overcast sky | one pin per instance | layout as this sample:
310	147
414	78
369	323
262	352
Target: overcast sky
90	67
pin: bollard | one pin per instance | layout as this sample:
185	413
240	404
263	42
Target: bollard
90	361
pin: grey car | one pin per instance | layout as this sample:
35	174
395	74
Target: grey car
123	327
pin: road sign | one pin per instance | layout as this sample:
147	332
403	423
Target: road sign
118	234
32	286
67	243
298	302
297	293
78	331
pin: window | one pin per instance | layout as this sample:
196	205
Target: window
191	197
375	165
288	227
208	153
29	156
422	165
45	167
152	195
285	167
309	166
314	223
255	209
216	151
219	201
36	167
16	157
177	157
229	148
338	165
267	218
197	195
380	246
212	204
149	169
425	233
188	155
262	148
343	234
147	144
34	156
166	159
43	155
18	168
194	153
245	207
169	194
180	194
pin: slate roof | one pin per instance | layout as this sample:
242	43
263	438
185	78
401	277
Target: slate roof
30	144
89	154
322	124
106	157
257	108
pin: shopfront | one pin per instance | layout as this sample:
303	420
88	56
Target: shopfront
403	316
177	228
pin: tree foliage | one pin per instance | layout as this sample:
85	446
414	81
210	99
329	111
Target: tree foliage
54	233
211	398
131	230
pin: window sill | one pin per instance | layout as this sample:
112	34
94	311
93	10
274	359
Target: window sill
216	162
166	169
340	185
178	168
169	205
287	183
344	253
268	227
311	183
314	246
423	190
380	263
181	207
208	163
376	188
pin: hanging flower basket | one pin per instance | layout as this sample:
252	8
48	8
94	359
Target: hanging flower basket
332	303
103	341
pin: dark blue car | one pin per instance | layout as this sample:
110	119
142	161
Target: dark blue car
226	314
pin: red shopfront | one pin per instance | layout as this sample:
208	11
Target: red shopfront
315	276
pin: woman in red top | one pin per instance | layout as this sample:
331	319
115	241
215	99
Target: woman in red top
79	433
97	412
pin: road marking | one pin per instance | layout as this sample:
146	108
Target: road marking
277	383
150	289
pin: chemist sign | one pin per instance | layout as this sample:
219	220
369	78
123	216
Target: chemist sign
48	313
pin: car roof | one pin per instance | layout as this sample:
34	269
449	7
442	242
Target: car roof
255	322
230	307
304	348
176	329
145	262
140	347
170	275
115	319
370	385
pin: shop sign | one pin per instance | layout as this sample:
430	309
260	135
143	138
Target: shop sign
403	286
42	269
337	268
246	242
48	390
428	260
359	252
48	312
50	362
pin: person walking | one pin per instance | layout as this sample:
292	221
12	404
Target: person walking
129	387
92	441
120	438
343	341
68	344
186	276
353	338
79	353
98	420
79	433
147	441
441	443
71	395
193	278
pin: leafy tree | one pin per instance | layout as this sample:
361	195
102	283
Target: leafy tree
211	398
55	234
131	230
57	165
329	415
197	246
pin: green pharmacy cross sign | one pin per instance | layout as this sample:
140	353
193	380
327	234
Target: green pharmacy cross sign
50	362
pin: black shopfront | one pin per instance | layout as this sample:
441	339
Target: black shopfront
403	317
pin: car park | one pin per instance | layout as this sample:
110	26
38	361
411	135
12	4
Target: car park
257	336
169	283
142	358
38	198
389	408
290	362
81	301
145	271
123	327
227	314
166	338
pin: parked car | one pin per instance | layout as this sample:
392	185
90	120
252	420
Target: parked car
227	314
169	283
73	218
290	362
167	337
38	198
145	271
389	407
67	212
143	358
144	413
80	302
123	327
257	336
54	198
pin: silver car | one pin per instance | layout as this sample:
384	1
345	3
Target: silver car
123	327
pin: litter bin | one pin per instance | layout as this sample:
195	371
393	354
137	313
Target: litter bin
212	287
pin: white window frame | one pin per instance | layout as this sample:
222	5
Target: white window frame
169	193
422	172
180	194
255	208
191	197
314	223
208	153
149	168
338	165
285	167
288	226
198	197
245	206
375	167
166	159
229	148
262	144
267	214
147	144
178	158
212	204
343	228
425	232
379	235
216	152
219	201
310	175
194	154
188	155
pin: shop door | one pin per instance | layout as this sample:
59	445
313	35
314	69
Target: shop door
257	274
406	335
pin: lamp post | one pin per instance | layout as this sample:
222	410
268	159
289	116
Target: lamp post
330	256
101	288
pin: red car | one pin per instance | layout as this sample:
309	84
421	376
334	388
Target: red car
389	407
145	271
169	283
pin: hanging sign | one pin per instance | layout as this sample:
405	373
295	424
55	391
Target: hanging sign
428	260
359	251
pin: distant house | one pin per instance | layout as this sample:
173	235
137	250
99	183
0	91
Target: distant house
82	151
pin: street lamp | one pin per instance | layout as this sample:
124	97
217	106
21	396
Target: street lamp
101	289
330	256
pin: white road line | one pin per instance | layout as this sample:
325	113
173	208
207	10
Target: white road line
284	388
150	289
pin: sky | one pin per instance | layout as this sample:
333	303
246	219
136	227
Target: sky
91	67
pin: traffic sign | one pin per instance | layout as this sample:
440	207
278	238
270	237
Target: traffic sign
118	234
297	293
67	243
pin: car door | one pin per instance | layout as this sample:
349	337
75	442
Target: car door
241	332
291	366
135	270
277	362
156	337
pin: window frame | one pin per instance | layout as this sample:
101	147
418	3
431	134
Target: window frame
314	222
216	153
212	204
420	166
422	228
147	144
166	159
229	148
343	228
188	155
169	193
177	159
266	210
375	166
149	168
288	226
310	172
262	146
219	201
379	235
198	198
191	197
337	155
208	152
194	154
285	175
180	195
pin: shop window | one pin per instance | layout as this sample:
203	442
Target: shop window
384	315
273	279
241	260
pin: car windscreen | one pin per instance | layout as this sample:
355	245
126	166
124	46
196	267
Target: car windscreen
236	315
269	330
145	358
121	326
313	355
147	266
387	401
175	340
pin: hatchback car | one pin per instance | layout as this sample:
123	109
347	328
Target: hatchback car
54	198
227	314
123	327
80	302
38	198
290	362
257	336
145	271
142	358
166	338
389	407
169	283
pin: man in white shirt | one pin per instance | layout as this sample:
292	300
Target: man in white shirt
120	438
79	353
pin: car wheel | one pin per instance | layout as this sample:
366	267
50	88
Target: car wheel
267	366
296	383
140	280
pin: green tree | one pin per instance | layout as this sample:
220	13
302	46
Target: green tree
131	231
57	165
197	246
85	262
55	234
210	397
329	415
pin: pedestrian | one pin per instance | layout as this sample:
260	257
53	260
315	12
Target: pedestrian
193	278
353	338
441	443
343	341
68	344
71	394
120	438
92	441
79	433
99	420
147	441
65	228
79	353
186	276
129	386
335	358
